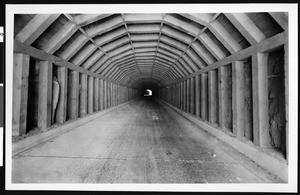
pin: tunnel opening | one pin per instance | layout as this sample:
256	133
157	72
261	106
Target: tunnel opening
148	92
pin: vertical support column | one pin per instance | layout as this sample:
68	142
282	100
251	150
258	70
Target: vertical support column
204	96
83	95
177	94
114	87
20	93
61	113
118	94
238	98
90	94
73	95
181	95
45	94
96	94
286	84
101	97
197	95
112	94
192	96
122	94
184	95
221	82
188	95
108	94
212	96
260	100
104	94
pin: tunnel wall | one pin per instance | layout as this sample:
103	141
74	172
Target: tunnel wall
46	94
243	98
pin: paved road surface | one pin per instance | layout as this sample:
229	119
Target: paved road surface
140	142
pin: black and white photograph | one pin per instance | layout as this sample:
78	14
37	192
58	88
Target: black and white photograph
191	97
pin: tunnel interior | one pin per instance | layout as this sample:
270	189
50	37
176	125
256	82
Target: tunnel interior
228	70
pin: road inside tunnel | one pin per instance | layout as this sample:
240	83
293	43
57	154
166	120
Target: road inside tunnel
140	142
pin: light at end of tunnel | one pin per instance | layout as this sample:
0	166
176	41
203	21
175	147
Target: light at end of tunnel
148	92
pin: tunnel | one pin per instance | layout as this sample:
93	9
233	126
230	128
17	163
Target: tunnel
150	98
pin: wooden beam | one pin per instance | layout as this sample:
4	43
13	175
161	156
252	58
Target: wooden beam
59	38
36	26
188	95
286	84
101	96
217	29
99	63
44	94
190	62
103	66
204	95
92	59
105	94
182	25
112	95
109	94
85	19
83	55
74	47
112	73
192	104
196	58
197	95
212	97
221	97
107	69
20	93
83	95
185	66
181	96
224	37
62	77
105	27
202	52
185	95
41	55
211	46
173	43
281	18
181	37
116	44
90	94
73	94
246	27
263	46
238	99
119	50
261	135
108	37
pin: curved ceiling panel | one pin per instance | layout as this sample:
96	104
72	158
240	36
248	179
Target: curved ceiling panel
144	50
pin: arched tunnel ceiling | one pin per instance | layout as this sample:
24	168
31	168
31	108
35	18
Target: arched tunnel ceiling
145	50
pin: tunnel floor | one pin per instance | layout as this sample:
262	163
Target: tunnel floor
140	142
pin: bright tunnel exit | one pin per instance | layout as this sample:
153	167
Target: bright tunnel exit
148	92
